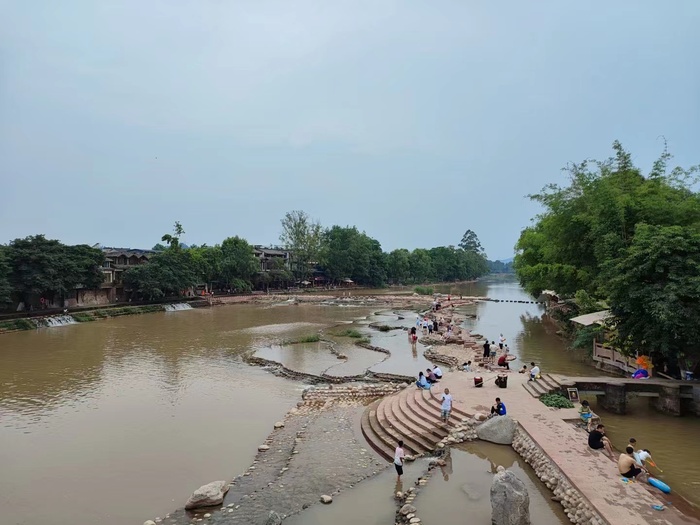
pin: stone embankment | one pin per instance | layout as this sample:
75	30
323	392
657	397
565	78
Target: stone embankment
577	508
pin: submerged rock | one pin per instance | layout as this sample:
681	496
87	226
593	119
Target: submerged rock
498	429
208	495
326	499
273	518
510	502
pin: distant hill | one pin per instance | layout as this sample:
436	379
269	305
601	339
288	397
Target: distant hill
508	260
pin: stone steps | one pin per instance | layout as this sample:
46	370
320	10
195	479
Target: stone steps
413	416
545	385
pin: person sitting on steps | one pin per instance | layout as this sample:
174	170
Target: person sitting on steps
597	440
534	371
430	376
422	382
628	466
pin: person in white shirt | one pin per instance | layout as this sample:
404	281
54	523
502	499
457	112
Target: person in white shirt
467	367
642	456
399	455
534	371
437	372
501	342
446	405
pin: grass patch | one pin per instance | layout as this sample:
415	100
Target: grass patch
16	324
556	401
350	332
384	327
423	290
311	338
364	340
84	317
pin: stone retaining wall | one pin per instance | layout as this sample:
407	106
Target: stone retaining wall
577	508
313	393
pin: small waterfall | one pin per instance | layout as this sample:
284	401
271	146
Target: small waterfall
54	320
176	307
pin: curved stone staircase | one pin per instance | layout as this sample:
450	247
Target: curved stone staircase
412	415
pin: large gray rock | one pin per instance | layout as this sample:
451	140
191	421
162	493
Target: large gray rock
273	518
510	502
208	495
498	429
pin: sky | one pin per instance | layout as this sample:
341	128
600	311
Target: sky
412	120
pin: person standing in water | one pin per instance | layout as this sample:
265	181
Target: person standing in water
399	455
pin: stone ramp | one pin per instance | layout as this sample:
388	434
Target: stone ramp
413	416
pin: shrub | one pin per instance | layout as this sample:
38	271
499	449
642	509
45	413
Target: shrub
364	340
423	290
556	401
83	318
312	338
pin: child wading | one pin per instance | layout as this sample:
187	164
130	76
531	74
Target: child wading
446	405
399	454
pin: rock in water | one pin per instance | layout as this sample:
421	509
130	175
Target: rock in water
273	518
510	502
208	495
149	522
326	499
498	429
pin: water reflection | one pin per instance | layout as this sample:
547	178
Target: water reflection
463	489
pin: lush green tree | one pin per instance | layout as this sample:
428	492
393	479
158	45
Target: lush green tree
5	288
46	267
470	242
593	219
654	290
303	237
349	254
238	261
168	274
421	266
398	265
207	262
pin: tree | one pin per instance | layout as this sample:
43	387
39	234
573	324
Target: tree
5	288
174	240
350	254
654	290
398	265
470	242
302	236
45	267
421	266
238	261
593	219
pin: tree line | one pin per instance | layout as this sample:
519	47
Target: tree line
43	267
619	238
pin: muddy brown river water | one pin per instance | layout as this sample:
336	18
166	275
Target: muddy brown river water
116	421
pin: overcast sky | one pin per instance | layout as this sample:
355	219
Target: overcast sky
411	120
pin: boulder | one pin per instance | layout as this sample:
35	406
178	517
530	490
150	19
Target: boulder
326	499
273	518
510	502
263	448
149	522
407	509
481	416
498	429
208	495
279	424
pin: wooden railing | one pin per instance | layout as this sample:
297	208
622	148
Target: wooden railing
610	356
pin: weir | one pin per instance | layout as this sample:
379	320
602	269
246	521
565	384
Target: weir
177	307
54	321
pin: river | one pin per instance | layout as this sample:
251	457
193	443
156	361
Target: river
119	420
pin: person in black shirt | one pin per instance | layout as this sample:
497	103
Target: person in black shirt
487	349
597	440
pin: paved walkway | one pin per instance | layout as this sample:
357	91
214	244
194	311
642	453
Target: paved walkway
591	472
